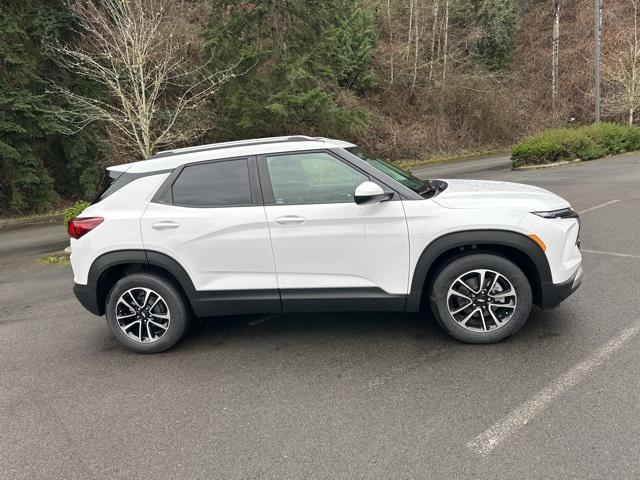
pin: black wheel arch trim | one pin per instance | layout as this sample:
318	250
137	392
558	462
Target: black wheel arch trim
475	239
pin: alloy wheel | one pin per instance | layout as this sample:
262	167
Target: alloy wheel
142	315
481	300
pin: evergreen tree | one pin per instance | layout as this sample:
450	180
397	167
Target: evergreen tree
297	56
493	25
36	158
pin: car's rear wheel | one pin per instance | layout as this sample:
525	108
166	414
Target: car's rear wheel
481	298
146	313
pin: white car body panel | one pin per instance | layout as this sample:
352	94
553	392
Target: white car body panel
560	235
341	245
220	248
120	229
488	194
427	221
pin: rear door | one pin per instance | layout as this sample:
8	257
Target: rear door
325	246
209	217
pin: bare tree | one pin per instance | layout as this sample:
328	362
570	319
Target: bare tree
410	28
555	47
391	59
445	49
149	90
622	72
434	29
416	49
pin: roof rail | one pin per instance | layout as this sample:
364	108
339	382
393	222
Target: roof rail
237	143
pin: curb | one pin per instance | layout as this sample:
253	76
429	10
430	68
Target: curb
548	165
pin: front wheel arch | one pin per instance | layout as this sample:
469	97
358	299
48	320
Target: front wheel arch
514	246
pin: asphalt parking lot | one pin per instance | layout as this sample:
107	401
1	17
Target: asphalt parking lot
335	396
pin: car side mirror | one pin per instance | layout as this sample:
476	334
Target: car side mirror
369	192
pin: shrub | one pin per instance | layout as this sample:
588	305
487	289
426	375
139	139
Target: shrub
74	210
585	143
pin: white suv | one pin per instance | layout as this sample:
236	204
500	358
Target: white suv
298	224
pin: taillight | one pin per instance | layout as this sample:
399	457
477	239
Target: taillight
81	226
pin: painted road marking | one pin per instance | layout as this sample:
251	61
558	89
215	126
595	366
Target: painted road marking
484	443
598	206
599	252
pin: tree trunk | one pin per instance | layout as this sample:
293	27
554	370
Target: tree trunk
555	44
390	40
634	64
410	29
275	30
436	4
445	49
416	53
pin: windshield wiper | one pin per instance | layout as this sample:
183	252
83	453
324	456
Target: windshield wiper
427	188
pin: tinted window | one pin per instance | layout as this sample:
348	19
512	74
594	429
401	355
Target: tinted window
213	184
312	178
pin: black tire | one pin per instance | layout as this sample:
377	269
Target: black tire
174	301
440	300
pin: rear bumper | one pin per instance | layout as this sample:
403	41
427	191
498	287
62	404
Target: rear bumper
87	295
554	293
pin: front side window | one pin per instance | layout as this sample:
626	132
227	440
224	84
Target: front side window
312	177
215	184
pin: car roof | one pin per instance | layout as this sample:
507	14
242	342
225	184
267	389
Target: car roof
170	159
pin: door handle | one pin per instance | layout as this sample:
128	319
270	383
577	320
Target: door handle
165	225
290	220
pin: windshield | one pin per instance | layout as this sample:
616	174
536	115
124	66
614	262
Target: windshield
394	172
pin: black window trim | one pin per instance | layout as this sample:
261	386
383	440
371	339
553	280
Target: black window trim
164	194
122	179
267	188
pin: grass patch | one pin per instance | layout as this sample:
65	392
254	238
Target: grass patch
52	216
60	259
585	143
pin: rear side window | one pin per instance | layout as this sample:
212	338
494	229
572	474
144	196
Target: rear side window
216	184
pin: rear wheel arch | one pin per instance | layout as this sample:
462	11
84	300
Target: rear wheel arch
110	267
514	246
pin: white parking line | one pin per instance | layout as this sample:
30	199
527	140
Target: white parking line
518	418
599	252
598	206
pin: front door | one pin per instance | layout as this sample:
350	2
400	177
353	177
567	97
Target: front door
325	246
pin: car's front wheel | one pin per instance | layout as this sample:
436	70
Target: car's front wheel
146	313
481	298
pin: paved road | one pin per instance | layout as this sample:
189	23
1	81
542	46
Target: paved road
465	168
333	396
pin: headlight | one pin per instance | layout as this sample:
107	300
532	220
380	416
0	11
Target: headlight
562	213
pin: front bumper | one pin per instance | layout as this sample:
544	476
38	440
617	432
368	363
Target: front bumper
87	295
554	293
